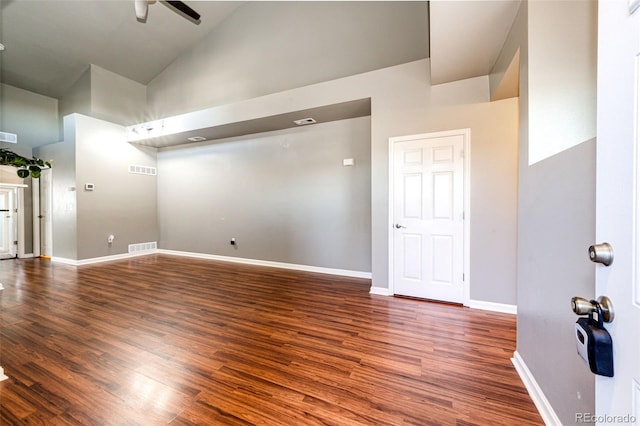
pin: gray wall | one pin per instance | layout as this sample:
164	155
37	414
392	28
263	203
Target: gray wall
267	47
557	224
122	204
115	98
285	196
105	95
77	99
556	204
33	117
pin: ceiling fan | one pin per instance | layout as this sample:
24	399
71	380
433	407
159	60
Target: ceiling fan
142	7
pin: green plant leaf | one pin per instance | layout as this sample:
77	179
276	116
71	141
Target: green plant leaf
10	158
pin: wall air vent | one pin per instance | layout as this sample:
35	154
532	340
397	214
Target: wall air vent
140	247
8	137
143	170
304	121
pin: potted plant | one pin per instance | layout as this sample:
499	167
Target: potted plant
26	166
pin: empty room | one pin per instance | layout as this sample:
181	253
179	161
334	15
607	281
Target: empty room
299	212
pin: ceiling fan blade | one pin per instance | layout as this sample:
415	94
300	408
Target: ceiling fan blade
142	7
182	7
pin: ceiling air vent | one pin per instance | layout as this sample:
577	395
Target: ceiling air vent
143	170
304	121
8	137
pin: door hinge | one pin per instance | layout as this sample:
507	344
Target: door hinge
15	243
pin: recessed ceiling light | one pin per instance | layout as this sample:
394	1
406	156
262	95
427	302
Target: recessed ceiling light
196	139
304	121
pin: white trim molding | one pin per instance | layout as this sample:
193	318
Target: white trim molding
541	402
2	375
493	306
269	263
381	291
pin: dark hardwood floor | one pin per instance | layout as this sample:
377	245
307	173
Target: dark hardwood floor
169	340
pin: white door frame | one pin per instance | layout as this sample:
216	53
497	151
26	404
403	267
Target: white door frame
45	223
20	206
466	136
35	206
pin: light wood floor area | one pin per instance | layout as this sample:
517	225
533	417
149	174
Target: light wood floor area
169	340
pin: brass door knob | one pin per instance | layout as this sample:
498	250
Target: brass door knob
601	253
582	306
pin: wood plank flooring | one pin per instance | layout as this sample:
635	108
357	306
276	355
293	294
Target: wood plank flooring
161	339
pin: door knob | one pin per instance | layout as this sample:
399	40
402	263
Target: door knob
601	253
398	226
583	306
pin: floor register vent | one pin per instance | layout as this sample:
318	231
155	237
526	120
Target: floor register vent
140	247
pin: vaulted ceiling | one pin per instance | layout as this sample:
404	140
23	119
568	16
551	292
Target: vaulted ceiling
466	37
50	43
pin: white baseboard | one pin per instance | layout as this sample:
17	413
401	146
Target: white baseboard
269	263
2	375
492	306
382	291
122	256
541	402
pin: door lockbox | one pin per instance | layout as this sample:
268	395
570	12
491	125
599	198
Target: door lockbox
593	342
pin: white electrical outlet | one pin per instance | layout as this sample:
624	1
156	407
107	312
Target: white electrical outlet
110	239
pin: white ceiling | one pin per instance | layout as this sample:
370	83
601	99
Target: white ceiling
466	36
50	43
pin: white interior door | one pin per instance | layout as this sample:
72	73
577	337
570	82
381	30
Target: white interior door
46	234
427	193
618	205
8	223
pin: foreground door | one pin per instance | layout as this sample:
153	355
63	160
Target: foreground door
428	228
618	206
